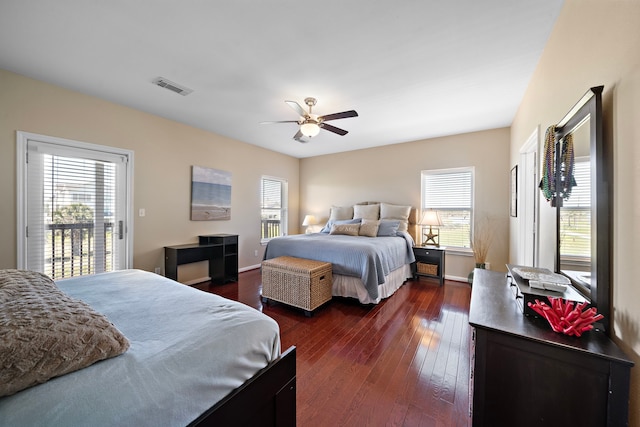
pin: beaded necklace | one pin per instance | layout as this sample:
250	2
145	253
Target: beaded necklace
567	162
548	184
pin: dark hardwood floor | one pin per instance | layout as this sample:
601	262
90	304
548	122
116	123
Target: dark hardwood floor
403	362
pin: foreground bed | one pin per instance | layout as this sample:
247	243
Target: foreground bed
194	359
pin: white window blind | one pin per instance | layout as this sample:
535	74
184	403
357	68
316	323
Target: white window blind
273	194
575	215
75	204
450	192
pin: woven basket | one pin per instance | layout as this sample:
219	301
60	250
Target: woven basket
424	268
298	282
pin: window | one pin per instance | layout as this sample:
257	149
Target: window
575	216
273	204
450	192
72	207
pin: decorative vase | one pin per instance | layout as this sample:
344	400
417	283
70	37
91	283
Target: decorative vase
481	265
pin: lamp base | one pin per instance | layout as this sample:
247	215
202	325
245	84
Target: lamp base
431	237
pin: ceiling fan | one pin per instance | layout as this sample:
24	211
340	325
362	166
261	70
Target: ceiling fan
310	124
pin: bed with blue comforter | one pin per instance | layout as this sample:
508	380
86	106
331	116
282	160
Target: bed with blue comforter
371	261
189	353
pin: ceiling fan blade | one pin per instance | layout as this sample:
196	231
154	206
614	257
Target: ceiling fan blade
298	137
297	108
279	121
336	116
333	129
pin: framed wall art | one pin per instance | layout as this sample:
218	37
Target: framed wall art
210	194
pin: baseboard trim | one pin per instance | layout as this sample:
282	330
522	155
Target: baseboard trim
196	281
250	267
206	279
456	278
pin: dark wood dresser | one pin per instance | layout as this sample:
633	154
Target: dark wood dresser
524	374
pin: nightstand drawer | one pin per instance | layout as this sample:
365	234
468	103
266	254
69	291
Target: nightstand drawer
426	252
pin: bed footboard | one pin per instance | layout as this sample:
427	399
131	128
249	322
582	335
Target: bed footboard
266	399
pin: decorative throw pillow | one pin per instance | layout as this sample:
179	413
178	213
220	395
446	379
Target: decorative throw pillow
388	211
347	229
366	211
341	212
369	228
388	227
327	227
44	333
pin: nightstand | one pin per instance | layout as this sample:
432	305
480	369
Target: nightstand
429	262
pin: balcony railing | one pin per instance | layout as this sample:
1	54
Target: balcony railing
70	249
270	228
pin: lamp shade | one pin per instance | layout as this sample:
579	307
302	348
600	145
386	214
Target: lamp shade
309	220
431	217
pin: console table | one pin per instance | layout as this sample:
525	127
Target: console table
525	374
221	250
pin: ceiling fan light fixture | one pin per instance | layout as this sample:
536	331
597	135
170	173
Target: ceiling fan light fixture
310	124
309	129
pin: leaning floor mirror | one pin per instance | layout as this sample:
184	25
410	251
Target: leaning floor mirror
582	202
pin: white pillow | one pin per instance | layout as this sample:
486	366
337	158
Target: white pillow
366	211
388	211
341	212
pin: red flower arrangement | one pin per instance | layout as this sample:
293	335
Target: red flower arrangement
566	318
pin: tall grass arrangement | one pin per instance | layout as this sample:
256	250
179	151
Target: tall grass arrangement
483	233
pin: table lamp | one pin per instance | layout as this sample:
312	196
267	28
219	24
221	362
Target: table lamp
432	219
308	221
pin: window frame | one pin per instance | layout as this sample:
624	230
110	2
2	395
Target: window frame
576	260
22	139
284	206
447	171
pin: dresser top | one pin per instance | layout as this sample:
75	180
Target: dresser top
493	307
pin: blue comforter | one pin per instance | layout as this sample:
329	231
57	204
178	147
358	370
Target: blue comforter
369	258
189	349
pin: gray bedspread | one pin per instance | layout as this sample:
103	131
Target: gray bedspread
188	350
369	258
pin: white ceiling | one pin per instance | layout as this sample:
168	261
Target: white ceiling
412	69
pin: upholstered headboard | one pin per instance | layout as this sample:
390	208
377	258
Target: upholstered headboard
405	213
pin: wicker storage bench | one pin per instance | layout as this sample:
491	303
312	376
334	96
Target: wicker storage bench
298	282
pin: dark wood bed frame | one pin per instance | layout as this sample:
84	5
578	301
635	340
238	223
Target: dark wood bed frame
266	399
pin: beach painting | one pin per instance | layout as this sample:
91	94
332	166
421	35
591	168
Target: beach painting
210	194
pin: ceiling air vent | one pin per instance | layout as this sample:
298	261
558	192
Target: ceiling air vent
174	87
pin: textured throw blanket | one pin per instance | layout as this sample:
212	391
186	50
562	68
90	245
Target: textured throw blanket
44	333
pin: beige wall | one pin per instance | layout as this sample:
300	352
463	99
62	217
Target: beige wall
593	43
392	174
164	152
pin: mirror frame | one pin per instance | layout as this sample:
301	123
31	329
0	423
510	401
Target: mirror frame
590	107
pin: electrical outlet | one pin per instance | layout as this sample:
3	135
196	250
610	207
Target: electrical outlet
142	212
158	270
255	253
